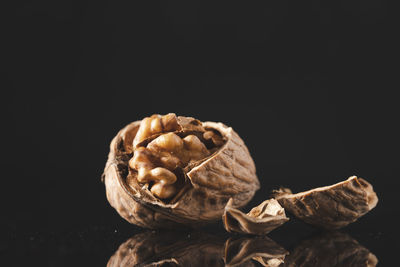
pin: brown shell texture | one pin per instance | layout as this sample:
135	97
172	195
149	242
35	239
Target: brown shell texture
228	173
330	249
259	221
330	207
262	249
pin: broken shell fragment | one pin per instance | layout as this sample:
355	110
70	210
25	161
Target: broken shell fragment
330	207
330	249
259	221
262	249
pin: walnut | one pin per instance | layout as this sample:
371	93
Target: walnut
259	221
168	170
330	207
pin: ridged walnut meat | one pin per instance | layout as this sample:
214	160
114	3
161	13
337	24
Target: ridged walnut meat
169	170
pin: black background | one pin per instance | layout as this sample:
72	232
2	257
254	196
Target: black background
309	86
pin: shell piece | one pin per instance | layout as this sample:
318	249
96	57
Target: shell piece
330	249
229	172
259	221
330	207
261	249
169	249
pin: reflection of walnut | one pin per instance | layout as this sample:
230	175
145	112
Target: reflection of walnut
170	169
169	248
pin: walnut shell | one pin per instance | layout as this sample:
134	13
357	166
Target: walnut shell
227	173
259	221
330	207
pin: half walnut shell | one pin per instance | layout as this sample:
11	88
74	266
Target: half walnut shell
205	187
330	207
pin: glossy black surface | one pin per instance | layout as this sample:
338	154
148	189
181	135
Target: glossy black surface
309	86
95	245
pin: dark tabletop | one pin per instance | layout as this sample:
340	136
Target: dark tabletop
309	87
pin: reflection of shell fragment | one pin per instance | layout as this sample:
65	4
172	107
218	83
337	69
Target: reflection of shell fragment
330	207
260	220
202	186
261	249
330	249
